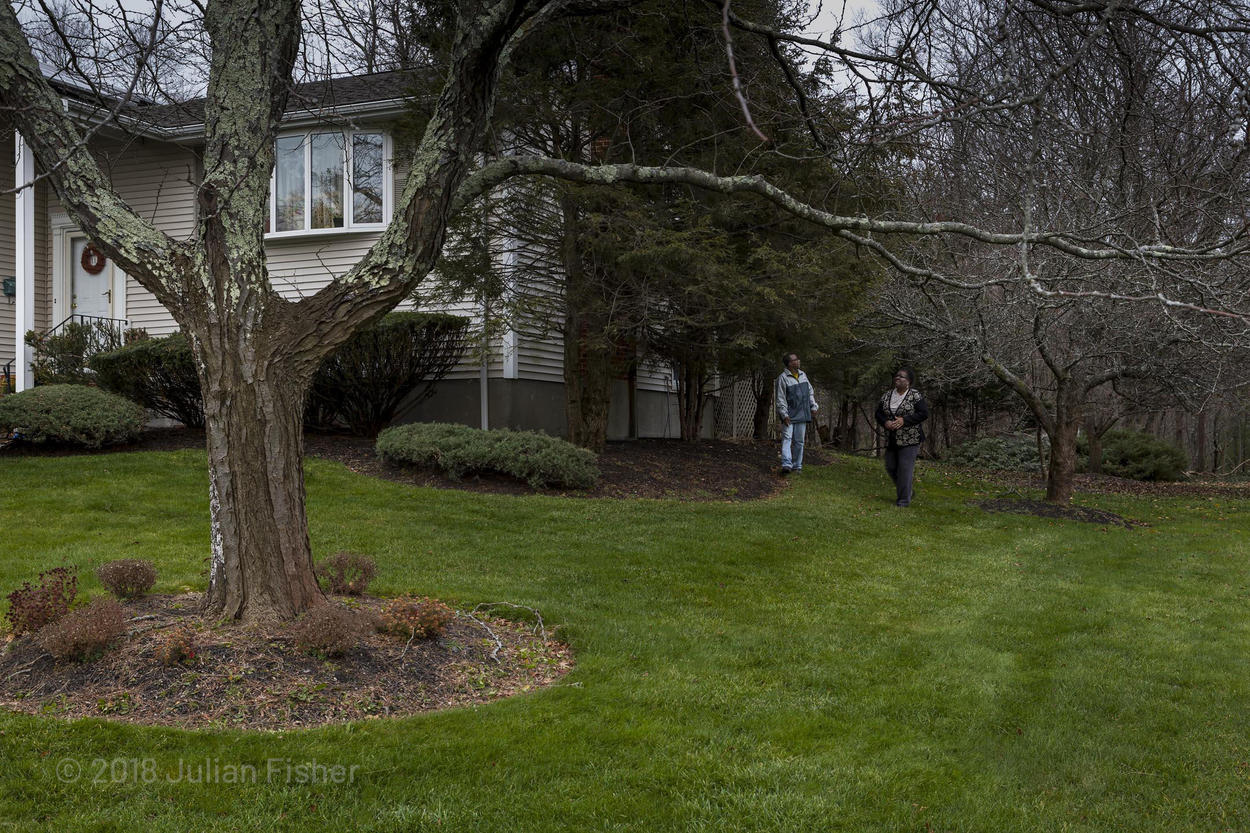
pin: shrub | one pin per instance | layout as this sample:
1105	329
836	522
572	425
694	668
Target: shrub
409	616
1013	453
127	577
33	606
177	646
60	356
74	414
347	573
85	633
329	629
1140	456
158	373
536	458
362	383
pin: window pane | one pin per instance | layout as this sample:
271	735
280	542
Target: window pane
289	183
327	180
367	178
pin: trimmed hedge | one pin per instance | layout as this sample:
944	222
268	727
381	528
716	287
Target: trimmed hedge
539	460
1013	453
74	414
1139	456
361	384
158	373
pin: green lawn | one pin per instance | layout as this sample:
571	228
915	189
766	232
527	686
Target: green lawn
821	661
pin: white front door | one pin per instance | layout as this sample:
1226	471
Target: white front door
91	280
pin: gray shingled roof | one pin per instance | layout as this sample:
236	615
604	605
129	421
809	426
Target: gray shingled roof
313	96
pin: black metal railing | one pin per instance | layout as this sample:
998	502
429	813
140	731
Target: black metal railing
62	351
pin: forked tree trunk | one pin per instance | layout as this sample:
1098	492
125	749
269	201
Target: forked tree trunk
261	561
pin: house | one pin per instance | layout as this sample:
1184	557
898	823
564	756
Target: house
333	185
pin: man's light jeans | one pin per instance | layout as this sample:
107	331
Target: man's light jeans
792	437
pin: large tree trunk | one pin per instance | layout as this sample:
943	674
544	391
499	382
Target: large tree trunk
261	563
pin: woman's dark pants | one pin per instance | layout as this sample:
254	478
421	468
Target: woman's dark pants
900	464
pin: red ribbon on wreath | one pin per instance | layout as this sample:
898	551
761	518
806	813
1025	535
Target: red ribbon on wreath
92	260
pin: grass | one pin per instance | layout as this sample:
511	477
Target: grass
820	661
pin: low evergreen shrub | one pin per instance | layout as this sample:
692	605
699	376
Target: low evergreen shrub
361	384
1010	453
72	414
539	460
158	373
86	633
32	606
127	578
1141	456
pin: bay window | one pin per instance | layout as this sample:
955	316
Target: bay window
327	180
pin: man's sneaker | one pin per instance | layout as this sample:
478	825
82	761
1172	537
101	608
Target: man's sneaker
785	470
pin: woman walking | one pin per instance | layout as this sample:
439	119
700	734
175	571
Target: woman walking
900	412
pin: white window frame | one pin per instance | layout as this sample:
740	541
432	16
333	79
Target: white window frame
349	225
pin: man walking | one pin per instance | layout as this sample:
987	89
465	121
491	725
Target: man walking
796	402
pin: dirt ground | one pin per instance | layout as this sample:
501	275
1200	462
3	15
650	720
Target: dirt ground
254	677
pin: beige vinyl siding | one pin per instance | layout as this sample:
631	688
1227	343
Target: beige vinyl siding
157	180
8	252
43	258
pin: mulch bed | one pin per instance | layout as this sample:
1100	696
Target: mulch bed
253	677
709	470
1042	509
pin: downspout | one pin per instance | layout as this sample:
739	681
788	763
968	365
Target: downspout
483	381
24	258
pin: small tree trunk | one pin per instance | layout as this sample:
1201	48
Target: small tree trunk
587	384
1094	435
1200	455
690	400
1061	479
261	562
762	388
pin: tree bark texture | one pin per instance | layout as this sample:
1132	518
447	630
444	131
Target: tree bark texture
1061	477
261	562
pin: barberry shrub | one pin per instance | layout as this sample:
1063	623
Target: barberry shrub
347	573
127	578
32	606
329	630
86	633
177	647
419	617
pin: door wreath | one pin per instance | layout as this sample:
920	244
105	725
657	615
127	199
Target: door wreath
92	260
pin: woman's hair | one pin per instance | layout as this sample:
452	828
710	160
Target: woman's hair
785	358
911	377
